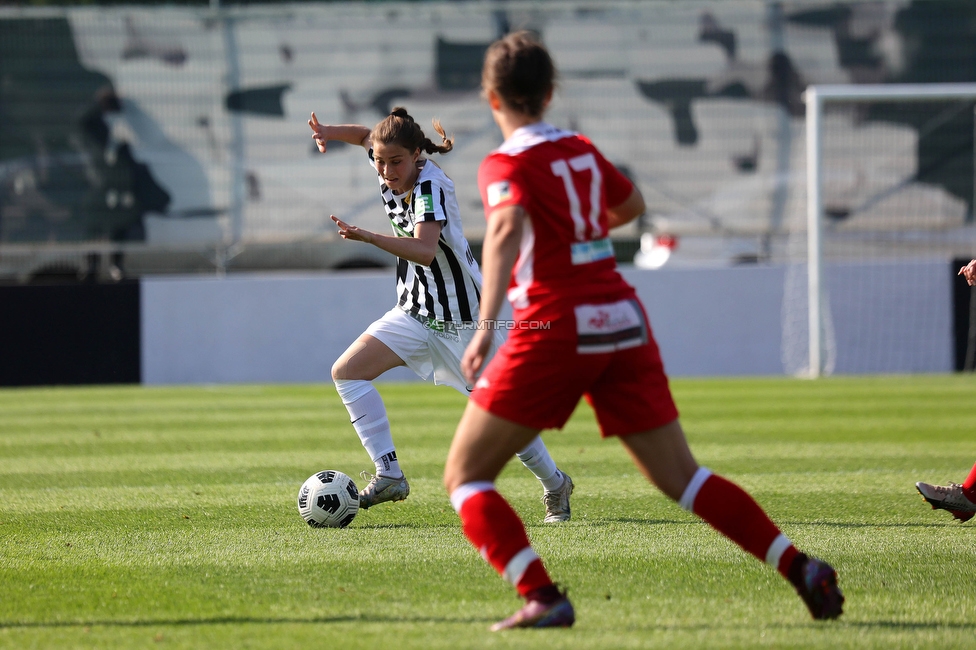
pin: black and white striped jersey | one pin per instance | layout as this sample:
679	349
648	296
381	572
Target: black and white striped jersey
450	288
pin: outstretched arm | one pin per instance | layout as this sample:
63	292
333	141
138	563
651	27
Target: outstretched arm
421	248
349	133
969	272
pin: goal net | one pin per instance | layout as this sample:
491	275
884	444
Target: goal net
890	176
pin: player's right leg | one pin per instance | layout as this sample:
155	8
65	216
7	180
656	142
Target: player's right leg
353	373
482	446
663	456
557	485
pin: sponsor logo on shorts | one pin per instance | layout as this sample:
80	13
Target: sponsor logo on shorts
443	328
607	321
610	327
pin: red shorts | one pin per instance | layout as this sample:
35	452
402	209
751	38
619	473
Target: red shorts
538	384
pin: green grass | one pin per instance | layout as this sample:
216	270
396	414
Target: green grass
166	517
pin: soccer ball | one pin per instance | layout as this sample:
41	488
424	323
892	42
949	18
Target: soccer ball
328	499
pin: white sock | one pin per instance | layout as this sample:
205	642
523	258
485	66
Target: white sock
388	465
368	416
687	500
536	457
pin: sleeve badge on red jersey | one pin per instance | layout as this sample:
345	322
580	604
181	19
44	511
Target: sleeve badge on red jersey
498	192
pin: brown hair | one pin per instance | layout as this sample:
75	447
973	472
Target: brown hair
400	129
519	69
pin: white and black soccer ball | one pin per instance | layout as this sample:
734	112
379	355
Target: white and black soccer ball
328	499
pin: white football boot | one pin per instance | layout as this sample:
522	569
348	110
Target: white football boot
557	501
948	497
381	489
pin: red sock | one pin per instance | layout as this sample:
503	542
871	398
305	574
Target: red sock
731	511
969	485
496	531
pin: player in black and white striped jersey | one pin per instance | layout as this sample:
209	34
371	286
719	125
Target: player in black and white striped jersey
438	294
448	287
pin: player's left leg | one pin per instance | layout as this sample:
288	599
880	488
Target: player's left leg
969	485
959	500
663	456
482	446
557	484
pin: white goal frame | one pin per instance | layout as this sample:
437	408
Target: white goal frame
816	98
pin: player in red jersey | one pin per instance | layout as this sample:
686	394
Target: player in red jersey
969	272
959	500
550	199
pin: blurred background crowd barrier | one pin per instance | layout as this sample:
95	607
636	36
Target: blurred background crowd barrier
144	140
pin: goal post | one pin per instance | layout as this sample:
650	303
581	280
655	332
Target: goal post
818	98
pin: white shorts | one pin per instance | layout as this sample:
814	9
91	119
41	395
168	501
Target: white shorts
427	349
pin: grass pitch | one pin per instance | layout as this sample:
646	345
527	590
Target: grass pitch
166	517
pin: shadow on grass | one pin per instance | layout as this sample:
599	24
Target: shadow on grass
413	526
608	521
826	626
864	524
239	620
909	625
905	626
577	523
603	522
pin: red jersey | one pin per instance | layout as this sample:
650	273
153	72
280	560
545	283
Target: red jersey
566	259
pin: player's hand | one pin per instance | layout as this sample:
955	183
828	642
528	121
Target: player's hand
355	233
969	272
476	353
318	133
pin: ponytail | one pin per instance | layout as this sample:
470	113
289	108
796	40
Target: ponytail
400	128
